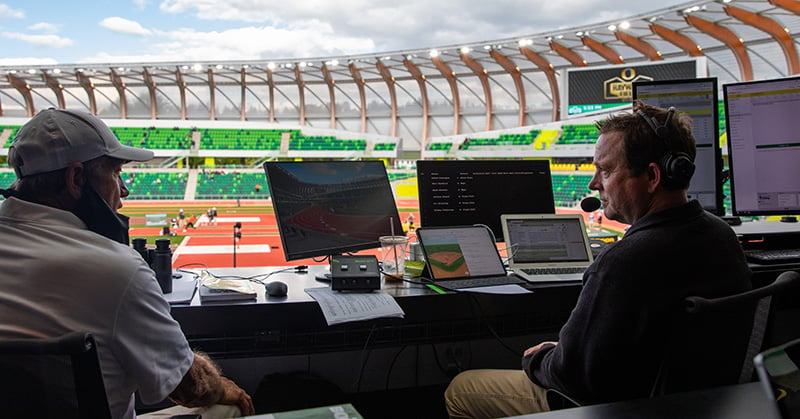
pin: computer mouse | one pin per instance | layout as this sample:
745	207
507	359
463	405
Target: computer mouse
276	289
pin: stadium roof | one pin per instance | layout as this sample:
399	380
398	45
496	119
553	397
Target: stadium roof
425	92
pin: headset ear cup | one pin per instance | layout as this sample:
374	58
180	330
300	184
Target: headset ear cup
678	169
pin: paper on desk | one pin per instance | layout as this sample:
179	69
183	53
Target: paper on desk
497	289
209	280
341	307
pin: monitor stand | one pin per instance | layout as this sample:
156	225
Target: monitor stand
323	276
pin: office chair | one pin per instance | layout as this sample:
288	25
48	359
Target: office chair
674	377
54	377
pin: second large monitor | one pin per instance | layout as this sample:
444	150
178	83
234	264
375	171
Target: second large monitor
699	99
464	192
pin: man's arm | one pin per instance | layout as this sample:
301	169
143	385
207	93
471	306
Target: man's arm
203	386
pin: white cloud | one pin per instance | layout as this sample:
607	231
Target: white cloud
141	3
122	25
9	13
44	27
27	61
250	43
40	40
393	25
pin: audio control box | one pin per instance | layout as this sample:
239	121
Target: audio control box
355	273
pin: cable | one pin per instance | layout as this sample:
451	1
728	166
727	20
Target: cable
482	318
391	365
364	361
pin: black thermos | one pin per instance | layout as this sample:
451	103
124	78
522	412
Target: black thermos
162	265
140	245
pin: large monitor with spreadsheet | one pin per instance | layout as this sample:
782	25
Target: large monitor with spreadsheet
764	146
466	192
697	98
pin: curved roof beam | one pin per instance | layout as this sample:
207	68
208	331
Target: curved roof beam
151	89
568	54
361	94
116	80
773	28
88	86
243	97
389	79
729	38
512	69
182	91
550	74
679	40
450	76
420	78
212	95
326	75
639	45
25	90
56	87
603	50
271	84
483	76
301	87
790	5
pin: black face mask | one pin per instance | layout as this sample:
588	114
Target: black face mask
100	218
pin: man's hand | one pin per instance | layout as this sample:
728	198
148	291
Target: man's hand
533	349
203	386
234	395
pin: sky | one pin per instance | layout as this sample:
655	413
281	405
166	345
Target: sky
133	31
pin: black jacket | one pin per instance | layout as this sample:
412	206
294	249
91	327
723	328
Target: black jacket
628	316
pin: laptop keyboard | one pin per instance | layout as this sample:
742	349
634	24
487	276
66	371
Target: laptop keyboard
488	281
553	271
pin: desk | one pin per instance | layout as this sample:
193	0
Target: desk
743	401
295	325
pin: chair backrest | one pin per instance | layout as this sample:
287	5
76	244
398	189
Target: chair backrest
751	306
55	377
779	372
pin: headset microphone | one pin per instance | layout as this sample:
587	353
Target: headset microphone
590	204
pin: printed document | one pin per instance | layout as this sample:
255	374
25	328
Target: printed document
341	307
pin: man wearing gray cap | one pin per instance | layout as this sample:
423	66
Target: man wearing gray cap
65	265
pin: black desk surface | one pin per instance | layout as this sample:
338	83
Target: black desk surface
295	324
744	401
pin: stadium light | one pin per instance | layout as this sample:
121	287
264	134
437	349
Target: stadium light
434	53
625	25
271	66
465	50
612	27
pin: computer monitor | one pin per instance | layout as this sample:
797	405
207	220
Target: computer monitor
764	146
465	192
697	98
326	208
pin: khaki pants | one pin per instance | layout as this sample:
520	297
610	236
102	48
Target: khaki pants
493	394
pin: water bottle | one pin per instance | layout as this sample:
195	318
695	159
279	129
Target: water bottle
162	265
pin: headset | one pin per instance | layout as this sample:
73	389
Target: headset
678	167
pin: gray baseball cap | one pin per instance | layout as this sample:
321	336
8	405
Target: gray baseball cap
55	138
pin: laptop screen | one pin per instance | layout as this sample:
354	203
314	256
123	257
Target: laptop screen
460	252
547	238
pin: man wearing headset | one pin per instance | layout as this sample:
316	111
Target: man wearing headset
624	332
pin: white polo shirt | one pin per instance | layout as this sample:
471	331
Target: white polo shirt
56	276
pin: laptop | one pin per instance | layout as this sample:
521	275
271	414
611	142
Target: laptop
547	247
463	257
779	373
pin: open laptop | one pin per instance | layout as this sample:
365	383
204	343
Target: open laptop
779	373
547	247
463	257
